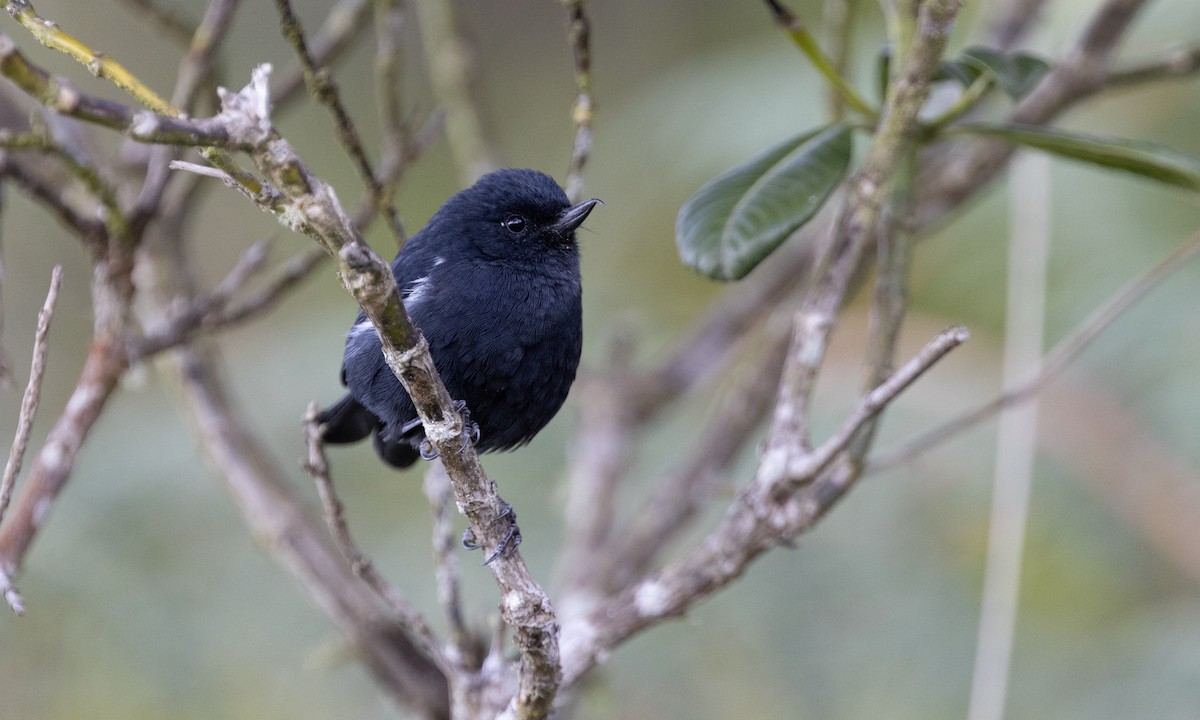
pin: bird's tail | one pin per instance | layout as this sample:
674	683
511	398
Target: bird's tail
397	453
347	421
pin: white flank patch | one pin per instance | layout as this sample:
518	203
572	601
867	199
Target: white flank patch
358	340
415	292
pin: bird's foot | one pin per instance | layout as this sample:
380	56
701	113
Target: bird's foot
512	537
470	433
470	427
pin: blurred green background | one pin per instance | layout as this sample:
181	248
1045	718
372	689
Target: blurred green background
148	597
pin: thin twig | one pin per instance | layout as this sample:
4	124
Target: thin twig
599	459
267	499
1011	20
445	563
88	175
451	67
29	406
757	521
104	366
197	70
837	24
950	178
180	328
50	195
1180	63
1054	363
344	23
197	65
178	28
708	349
389	66
29	401
60	96
6	376
798	32
317	467
582	114
217	311
393	167
325	91
683	490
287	278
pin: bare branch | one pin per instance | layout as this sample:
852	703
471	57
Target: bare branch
273	511
764	514
452	68
180	29
599	459
217	311
579	33
708	348
142	125
1175	64
438	491
29	401
390	16
1054	363
683	490
838	23
196	72
1010	21
868	193
345	21
952	178
102	369
317	466
29	406
283	525
285	280
52	92
49	193
197	64
321	85
77	167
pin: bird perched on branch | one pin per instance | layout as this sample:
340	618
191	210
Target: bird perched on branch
492	281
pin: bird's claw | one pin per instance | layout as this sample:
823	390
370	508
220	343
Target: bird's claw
512	537
470	427
470	433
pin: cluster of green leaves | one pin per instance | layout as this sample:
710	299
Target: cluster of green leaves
738	218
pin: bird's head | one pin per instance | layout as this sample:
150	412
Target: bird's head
515	213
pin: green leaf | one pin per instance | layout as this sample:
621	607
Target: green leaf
1026	71
1016	74
734	221
964	73
1156	162
883	71
982	59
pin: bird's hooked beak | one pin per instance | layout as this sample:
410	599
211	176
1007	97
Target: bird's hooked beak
571	218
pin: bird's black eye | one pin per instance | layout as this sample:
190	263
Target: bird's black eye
514	224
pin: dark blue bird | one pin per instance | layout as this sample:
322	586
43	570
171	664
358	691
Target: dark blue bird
492	281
